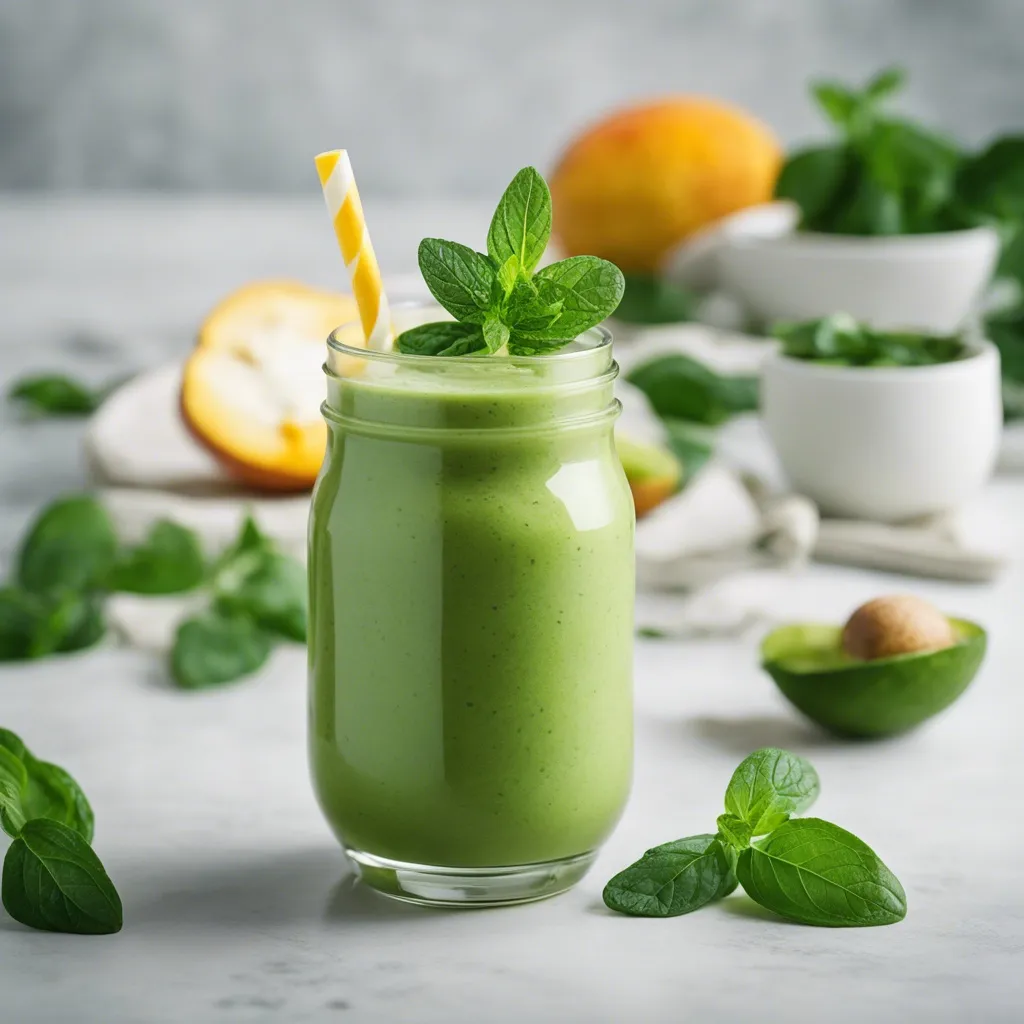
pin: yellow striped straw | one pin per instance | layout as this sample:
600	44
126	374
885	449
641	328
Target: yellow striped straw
342	198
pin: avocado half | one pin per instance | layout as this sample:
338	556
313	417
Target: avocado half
869	698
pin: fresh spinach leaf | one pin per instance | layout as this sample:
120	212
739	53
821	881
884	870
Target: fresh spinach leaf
681	388
71	545
770	785
56	395
991	183
521	225
268	587
814	872
444	338
36	625
170	561
13	781
215	648
814	179
53	881
651	299
463	281
691	443
673	879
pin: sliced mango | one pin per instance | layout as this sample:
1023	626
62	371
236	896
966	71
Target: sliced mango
252	388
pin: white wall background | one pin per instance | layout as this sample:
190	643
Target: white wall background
444	97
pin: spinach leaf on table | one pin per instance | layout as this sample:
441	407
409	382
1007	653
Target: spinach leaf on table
52	880
36	625
56	395
814	872
650	299
71	545
675	878
170	561
270	588
214	648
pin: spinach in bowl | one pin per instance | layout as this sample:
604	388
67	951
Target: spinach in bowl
839	340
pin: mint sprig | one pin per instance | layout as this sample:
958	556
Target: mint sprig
806	870
498	302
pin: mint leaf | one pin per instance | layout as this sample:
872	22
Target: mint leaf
521	225
444	338
508	274
673	879
214	648
56	395
170	561
587	290
885	83
53	881
495	333
814	872
735	831
70	545
462	280
770	785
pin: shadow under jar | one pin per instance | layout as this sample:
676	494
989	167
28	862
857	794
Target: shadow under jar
471	618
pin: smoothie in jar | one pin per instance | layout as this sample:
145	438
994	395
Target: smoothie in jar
471	617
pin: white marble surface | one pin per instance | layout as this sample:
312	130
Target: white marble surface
238	907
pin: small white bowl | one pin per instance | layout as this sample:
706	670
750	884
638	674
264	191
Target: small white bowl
885	443
924	282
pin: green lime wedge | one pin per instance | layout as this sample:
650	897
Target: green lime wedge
869	698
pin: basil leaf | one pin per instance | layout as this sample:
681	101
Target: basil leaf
52	880
56	395
650	299
814	872
447	337
271	590
170	561
673	879
35	625
71	544
521	225
496	334
735	831
588	290
463	281
770	785
682	388
13	780
214	648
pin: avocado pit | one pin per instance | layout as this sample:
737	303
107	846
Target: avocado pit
897	624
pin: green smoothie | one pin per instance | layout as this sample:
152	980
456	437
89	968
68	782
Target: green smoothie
471	575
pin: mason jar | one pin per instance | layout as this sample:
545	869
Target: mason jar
471	617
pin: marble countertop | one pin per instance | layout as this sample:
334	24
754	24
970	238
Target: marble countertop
238	905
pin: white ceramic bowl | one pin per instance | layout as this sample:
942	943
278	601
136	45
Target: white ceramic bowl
927	282
885	443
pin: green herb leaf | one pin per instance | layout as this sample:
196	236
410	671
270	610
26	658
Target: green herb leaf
885	83
53	881
587	290
692	444
46	791
444	338
991	184
214	648
769	786
270	589
734	831
814	179
71	545
56	395
521	225
673	879
13	782
650	299
496	334
840	104
508	274
813	872
170	561
684	389
36	625
463	281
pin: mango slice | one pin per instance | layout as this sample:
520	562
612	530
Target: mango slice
252	388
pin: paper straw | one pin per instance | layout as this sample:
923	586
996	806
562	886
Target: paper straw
346	211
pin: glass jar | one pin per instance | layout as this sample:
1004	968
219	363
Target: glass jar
471	618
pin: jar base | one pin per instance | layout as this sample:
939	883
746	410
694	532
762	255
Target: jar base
434	886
